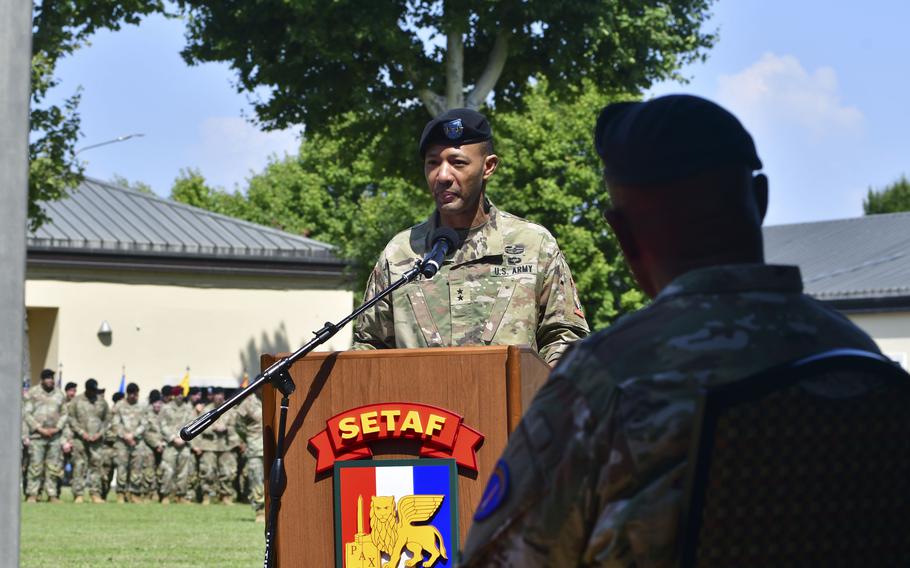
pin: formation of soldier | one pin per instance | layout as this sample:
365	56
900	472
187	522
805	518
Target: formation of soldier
137	444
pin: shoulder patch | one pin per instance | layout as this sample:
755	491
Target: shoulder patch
495	493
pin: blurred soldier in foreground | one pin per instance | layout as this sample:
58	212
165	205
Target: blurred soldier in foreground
176	459
88	422
508	283
249	427
593	475
218	462
127	426
45	418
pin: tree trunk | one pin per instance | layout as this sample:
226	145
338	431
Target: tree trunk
454	70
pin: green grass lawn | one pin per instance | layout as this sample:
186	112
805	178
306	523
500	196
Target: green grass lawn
109	534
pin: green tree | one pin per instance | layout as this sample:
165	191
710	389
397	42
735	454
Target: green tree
310	61
893	198
191	188
122	181
59	28
550	174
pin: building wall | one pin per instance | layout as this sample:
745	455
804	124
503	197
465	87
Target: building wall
890	330
216	325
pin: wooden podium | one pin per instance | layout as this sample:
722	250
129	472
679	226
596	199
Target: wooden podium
489	386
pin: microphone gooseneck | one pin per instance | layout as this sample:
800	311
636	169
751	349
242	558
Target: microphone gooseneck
444	240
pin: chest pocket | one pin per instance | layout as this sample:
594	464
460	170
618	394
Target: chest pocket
499	309
424	317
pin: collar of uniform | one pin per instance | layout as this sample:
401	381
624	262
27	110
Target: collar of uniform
733	278
482	241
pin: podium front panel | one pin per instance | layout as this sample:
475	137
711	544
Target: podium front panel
478	383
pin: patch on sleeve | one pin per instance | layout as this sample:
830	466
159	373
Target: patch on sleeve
578	311
495	493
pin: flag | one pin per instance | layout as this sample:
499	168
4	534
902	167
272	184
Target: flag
185	383
246	380
122	389
60	376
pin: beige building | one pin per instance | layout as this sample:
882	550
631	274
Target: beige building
860	266
123	281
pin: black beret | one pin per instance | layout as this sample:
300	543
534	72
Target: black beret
132	388
117	396
47	374
669	138
454	128
91	385
69	385
154	395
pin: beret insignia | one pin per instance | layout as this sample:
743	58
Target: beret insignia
453	129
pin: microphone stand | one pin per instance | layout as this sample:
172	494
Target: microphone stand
278	376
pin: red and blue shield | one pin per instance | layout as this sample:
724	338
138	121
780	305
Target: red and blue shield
387	512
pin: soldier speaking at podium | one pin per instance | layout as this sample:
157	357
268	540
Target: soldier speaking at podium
506	283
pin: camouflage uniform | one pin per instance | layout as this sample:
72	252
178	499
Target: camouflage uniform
44	410
249	427
177	461
129	419
153	440
218	462
508	284
108	457
597	463
88	419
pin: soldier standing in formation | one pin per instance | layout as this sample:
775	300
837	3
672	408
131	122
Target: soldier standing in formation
127	427
153	441
70	394
178	457
218	462
249	427
45	418
88	422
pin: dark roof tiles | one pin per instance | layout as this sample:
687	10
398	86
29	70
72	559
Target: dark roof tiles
847	259
98	216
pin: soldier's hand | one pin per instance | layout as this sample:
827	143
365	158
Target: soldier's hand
51	431
26	441
67	447
241	448
159	448
197	451
178	442
86	437
129	440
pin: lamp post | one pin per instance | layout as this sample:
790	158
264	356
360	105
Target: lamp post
112	141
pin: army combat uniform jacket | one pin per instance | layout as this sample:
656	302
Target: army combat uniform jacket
44	410
593	475
507	284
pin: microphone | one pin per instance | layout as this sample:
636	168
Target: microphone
444	240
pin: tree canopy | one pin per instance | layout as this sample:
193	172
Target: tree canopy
60	27
310	61
893	198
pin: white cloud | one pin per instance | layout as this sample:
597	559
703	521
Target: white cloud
778	89
230	149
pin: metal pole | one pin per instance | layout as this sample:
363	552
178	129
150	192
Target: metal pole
15	62
106	142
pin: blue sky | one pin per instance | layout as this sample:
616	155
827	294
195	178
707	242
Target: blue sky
820	84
